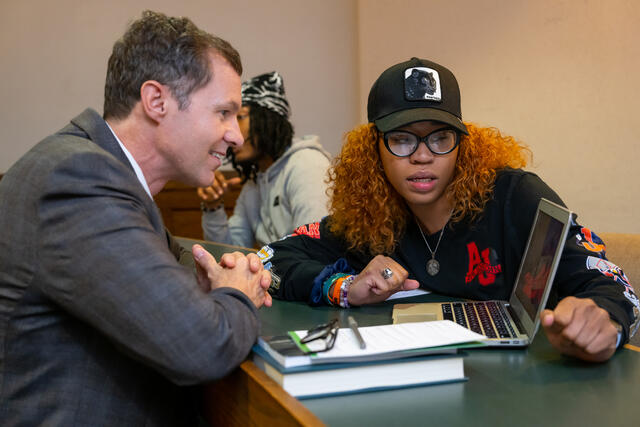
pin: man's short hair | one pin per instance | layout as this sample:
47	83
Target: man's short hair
170	50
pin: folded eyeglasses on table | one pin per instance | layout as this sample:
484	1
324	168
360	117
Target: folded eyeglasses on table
322	337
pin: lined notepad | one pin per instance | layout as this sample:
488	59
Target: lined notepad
393	338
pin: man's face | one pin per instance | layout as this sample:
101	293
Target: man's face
193	141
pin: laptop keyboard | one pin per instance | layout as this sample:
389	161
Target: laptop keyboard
484	317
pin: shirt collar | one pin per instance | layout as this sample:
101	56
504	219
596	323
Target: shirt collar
134	164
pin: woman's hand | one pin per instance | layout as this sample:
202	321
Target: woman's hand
371	286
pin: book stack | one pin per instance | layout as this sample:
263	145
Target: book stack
396	356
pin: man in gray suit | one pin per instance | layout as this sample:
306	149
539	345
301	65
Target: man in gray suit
99	322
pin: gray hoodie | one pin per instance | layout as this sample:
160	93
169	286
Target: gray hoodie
290	193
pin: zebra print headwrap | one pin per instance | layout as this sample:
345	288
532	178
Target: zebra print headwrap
266	90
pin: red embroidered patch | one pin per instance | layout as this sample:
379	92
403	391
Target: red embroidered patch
481	266
590	241
311	230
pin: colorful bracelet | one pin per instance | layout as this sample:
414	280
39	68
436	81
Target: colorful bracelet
327	288
335	291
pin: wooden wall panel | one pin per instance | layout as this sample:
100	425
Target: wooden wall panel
180	207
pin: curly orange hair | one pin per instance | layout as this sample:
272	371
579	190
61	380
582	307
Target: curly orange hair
371	216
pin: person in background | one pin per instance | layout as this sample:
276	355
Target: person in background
284	178
100	324
420	198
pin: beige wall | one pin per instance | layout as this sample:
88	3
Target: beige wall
54	56
562	76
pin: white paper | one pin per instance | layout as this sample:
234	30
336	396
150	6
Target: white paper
407	294
397	337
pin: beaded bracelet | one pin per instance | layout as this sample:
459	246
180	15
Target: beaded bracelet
344	291
205	208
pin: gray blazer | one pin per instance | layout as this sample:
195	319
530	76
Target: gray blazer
99	323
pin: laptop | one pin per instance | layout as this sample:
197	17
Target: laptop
514	322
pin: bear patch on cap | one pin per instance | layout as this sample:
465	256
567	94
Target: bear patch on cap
422	83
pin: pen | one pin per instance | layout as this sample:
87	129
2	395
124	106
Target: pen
354	327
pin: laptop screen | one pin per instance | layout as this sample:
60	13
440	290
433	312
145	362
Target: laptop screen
546	235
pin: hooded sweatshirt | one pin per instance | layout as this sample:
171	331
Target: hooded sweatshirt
290	193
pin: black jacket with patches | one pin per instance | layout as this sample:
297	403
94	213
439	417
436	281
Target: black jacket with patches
477	261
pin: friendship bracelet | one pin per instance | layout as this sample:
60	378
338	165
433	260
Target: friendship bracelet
335	291
326	287
318	292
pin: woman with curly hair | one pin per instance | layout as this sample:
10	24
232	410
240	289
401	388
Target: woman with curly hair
451	216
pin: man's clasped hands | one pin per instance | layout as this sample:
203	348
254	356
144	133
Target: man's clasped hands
235	270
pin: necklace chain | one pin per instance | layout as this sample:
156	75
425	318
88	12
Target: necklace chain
433	253
433	266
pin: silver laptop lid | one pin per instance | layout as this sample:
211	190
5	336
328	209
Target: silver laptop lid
539	263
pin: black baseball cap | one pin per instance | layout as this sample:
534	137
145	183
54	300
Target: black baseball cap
413	91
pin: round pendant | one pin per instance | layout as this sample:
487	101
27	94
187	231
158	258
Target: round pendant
433	267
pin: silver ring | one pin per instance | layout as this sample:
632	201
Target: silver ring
386	273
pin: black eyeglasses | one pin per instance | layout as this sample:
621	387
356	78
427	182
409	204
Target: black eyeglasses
321	338
402	143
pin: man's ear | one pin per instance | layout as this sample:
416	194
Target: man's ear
154	98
